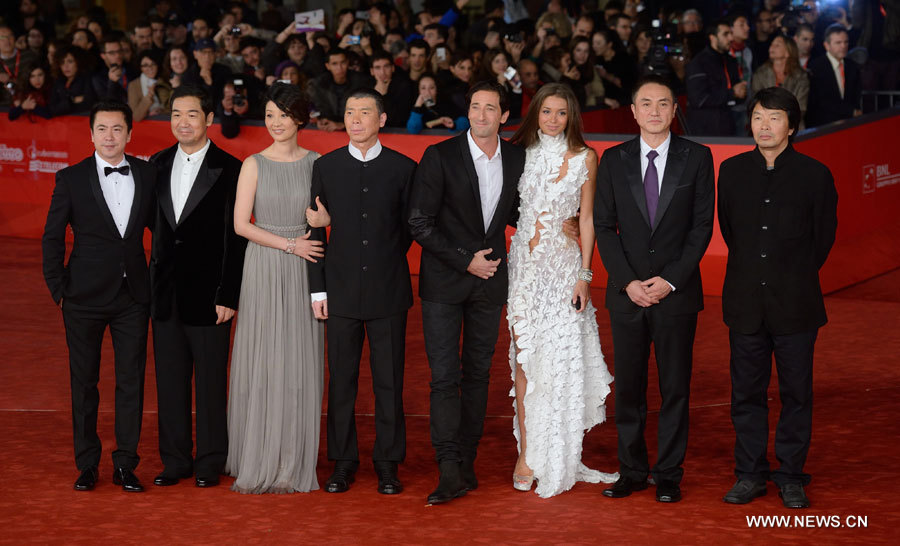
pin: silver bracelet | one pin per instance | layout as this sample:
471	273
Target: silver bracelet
291	244
585	275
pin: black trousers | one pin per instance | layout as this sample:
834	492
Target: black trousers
183	352
85	325
751	369
387	357
459	382
672	337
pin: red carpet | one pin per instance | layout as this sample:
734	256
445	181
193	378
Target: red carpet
854	456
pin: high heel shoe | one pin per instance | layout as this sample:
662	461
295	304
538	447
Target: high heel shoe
523	483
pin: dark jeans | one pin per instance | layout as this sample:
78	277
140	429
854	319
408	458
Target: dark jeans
673	339
85	325
751	369
387	352
459	383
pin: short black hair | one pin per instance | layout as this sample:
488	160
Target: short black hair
290	100
143	23
494	87
334	52
380	55
250	41
108	39
190	90
421	44
367	93
442	30
111	106
834	29
778	98
713	28
654	79
151	54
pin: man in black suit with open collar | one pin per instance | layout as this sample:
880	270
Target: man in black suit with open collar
195	271
835	84
463	197
362	287
653	216
107	199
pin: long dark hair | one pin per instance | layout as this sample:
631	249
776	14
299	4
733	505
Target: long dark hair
527	134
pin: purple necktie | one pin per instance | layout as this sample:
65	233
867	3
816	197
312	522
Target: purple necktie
651	185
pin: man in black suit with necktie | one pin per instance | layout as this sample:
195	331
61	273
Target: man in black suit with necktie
463	197
834	81
653	217
195	271
362	287
107	199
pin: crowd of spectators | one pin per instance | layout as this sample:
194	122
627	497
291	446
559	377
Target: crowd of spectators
424	55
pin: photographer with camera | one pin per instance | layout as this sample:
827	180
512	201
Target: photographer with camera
110	82
241	99
431	114
11	62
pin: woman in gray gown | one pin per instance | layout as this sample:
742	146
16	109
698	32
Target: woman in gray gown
275	394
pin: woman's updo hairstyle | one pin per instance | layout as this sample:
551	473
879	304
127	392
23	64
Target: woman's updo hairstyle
290	100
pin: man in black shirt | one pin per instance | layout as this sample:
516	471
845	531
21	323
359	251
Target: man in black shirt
110	82
394	86
328	90
778	216
713	85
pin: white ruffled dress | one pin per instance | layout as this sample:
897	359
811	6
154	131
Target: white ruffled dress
558	349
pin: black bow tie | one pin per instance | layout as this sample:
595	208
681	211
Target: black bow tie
123	170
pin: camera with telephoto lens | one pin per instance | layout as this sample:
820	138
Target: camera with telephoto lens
239	99
665	43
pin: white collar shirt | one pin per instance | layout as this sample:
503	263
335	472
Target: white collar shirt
836	67
371	153
118	192
660	161
490	178
184	171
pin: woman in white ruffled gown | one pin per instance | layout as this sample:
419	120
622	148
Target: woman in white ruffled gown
560	378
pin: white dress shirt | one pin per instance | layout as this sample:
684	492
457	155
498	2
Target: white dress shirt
184	172
660	161
490	178
836	66
371	154
118	192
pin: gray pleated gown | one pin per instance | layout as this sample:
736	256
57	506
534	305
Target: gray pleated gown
275	394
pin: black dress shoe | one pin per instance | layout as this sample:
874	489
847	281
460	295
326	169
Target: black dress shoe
624	486
388	484
792	496
343	475
450	485
167	478
126	478
206	480
668	491
87	479
744	491
467	474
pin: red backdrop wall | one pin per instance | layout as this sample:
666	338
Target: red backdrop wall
859	157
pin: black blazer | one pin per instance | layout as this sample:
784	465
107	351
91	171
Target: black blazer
779	226
825	102
100	255
198	262
365	270
445	218
672	248
710	98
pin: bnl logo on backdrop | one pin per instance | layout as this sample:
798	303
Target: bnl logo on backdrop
878	176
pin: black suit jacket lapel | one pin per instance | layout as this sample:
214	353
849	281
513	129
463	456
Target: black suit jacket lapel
136	202
94	181
631	157
164	185
469	165
206	178
675	164
510	183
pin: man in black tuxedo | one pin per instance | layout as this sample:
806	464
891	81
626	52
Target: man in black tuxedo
778	216
107	199
653	216
195	272
463	197
362	287
834	81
